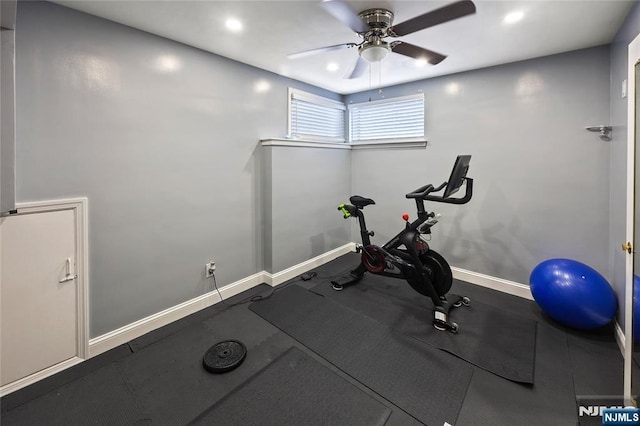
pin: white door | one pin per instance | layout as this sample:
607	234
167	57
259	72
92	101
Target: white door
38	292
633	135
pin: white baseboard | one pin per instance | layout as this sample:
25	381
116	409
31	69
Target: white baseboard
300	268
136	329
40	375
505	286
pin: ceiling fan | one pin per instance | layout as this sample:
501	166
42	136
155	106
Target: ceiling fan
374	25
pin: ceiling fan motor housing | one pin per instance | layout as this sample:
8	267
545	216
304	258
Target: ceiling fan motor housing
378	20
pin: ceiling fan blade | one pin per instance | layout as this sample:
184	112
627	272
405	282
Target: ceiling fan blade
306	53
359	68
345	14
417	52
446	13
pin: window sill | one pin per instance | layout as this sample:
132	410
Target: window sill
388	145
301	143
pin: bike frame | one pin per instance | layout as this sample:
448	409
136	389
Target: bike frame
409	256
429	280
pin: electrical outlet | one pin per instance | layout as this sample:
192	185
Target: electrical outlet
209	269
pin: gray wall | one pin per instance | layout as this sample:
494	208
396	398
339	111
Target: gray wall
541	180
7	121
303	187
618	187
174	172
170	161
7	106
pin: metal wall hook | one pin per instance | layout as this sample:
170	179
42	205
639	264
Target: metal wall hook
605	131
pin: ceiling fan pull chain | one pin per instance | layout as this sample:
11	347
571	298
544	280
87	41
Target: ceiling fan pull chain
370	84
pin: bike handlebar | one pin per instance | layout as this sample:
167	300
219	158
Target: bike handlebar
423	192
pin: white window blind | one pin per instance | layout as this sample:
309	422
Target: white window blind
387	120
315	117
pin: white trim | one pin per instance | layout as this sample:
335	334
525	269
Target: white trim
505	286
285	275
138	328
49	205
390	144
619	335
40	375
303	143
632	57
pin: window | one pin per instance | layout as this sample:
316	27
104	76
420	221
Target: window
315	117
387	120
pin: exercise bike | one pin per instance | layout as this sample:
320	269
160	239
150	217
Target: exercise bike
426	271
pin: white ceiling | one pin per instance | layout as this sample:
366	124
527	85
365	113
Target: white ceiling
273	29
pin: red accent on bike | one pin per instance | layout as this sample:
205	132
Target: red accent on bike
405	217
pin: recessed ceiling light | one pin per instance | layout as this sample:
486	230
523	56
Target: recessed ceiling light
513	17
332	66
233	24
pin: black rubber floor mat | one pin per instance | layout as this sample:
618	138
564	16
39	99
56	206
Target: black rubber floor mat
99	398
425	382
295	389
498	341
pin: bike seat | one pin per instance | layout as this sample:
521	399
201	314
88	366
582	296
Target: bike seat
360	202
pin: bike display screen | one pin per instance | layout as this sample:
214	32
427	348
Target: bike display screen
458	173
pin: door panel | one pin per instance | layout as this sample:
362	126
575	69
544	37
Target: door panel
38	312
631	347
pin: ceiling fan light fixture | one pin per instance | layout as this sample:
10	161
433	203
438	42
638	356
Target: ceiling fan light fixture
374	52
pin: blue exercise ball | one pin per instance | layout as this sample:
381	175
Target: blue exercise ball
573	293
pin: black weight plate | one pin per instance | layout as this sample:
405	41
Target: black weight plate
224	356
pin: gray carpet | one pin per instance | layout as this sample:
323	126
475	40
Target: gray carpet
493	339
425	382
295	389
